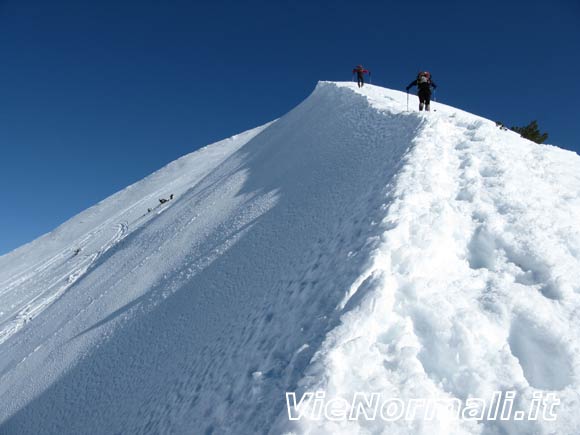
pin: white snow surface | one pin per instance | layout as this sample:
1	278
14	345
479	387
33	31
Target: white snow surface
349	246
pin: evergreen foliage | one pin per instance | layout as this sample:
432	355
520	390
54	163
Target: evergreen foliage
531	132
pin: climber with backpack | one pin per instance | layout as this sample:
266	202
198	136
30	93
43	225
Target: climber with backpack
424	84
360	72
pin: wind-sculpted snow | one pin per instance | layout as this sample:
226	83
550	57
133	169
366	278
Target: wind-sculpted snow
475	284
349	247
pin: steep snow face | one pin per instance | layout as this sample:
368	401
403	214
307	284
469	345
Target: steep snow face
349	247
37	274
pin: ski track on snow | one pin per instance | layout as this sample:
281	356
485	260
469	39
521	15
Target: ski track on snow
54	287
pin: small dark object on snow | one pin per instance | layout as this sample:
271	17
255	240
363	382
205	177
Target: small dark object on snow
77	251
500	125
163	200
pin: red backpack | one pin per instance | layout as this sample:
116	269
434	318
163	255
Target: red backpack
423	77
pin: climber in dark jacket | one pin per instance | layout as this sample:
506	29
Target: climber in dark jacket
424	85
360	71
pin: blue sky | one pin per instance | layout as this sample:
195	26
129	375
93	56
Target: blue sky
96	95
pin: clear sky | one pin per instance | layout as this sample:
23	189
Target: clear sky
95	95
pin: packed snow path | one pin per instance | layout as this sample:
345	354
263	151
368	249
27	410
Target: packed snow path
350	246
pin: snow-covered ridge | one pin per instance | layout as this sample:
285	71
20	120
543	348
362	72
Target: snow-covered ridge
474	286
351	245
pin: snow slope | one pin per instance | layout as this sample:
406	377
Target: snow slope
350	246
